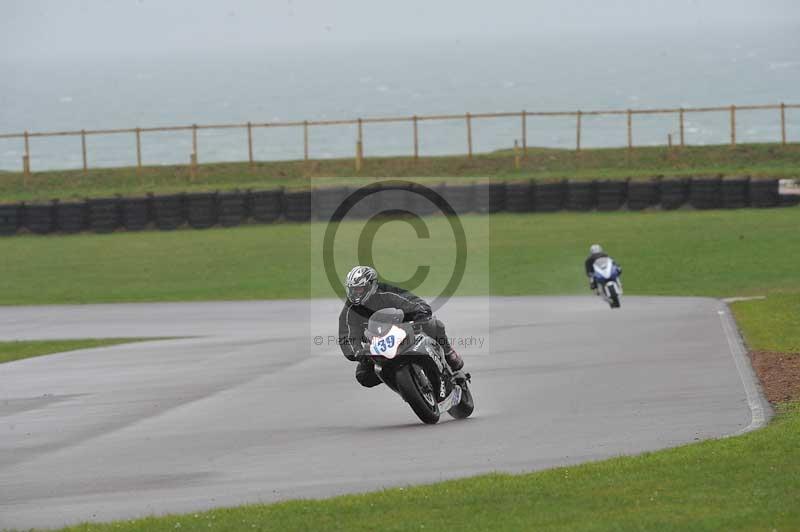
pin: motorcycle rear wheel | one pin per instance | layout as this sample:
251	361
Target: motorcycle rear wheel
417	393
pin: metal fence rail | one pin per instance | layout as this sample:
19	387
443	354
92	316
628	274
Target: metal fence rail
468	119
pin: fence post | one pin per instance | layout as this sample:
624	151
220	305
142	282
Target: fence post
680	122
783	123
250	144
524	134
416	139
138	148
26	159
733	125
516	155
630	130
83	150
469	135
305	140
578	132
359	146
194	140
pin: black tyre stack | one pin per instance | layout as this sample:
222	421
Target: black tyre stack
40	218
581	195
104	214
168	211
735	192
704	192
327	200
297	206
674	193
135	213
497	196
265	206
764	193
519	196
611	195
71	217
201	209
9	219
480	198
231	208
401	197
642	194
461	197
549	197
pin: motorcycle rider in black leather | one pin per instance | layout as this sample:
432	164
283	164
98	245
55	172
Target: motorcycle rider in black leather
365	295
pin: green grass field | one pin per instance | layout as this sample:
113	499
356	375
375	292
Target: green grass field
772	324
710	253
761	160
10	351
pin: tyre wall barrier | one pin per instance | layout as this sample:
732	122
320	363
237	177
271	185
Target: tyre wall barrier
611	195
642	194
581	195
10	219
764	193
265	206
734	193
201	209
704	192
519	196
549	197
227	209
231	208
71	217
104	214
168	211
135	213
297	206
673	193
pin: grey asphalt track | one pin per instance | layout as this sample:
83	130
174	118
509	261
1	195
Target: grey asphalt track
249	409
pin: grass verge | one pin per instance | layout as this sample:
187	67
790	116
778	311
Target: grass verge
764	160
771	324
749	482
708	253
10	351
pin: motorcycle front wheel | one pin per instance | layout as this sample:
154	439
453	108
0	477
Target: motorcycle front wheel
614	296
415	388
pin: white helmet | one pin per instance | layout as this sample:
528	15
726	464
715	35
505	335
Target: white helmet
595	248
361	283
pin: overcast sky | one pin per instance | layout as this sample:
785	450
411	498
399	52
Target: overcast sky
35	29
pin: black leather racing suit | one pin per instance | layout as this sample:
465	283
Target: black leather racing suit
354	319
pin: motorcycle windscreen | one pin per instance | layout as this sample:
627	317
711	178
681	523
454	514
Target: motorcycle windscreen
387	344
602	267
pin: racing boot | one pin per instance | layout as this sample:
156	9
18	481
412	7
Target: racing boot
454	360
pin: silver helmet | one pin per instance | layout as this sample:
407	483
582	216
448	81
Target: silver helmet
361	283
595	248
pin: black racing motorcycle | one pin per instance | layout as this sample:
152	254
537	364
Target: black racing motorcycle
413	364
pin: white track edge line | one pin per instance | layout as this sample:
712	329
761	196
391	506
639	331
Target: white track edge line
760	411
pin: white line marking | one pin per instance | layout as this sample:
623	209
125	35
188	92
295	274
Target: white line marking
759	408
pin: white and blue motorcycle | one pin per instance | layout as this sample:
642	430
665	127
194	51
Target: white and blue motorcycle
608	281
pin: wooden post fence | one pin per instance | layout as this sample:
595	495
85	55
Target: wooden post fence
783	123
305	140
578	132
138	148
250	144
680	123
469	135
733	125
524	135
360	146
416	139
630	130
83	151
26	159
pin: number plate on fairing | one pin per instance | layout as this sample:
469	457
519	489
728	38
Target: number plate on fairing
387	345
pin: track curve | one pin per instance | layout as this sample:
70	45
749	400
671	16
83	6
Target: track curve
248	408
